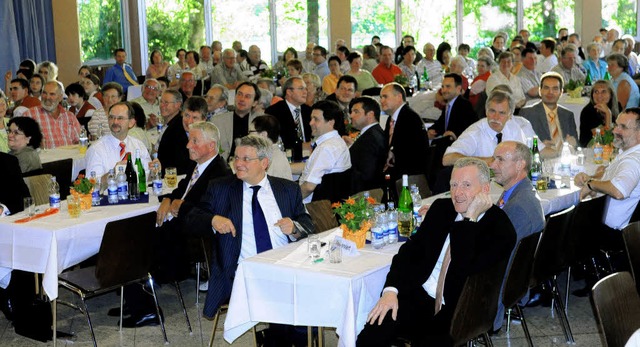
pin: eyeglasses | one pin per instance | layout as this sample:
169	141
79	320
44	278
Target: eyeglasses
162	102
298	88
15	132
244	159
119	119
151	87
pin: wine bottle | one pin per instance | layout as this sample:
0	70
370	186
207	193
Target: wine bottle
132	179
405	209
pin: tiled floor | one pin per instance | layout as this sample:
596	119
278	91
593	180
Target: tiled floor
544	326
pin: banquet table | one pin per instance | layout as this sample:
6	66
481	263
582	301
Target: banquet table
423	103
54	243
284	286
65	152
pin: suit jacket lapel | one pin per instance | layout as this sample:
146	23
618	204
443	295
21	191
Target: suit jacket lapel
236	208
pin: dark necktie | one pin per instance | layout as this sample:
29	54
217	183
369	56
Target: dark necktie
499	137
260	229
296	119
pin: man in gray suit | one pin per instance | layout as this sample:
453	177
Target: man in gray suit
552	123
511	165
235	124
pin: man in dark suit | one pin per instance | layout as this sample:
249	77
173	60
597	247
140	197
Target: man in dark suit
172	151
171	261
15	189
291	108
405	134
458	113
459	237
369	150
233	207
552	123
511	165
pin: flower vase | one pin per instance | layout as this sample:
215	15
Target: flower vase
359	237
607	150
85	199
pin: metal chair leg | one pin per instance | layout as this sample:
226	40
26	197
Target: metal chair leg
564	320
520	313
487	340
121	305
184	308
509	320
155	300
566	292
197	284
55	321
216	317
86	313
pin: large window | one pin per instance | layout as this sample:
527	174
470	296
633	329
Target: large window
247	22
372	17
172	25
620	14
100	29
429	21
545	18
484	19
299	22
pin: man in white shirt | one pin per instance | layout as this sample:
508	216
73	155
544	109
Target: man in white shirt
504	76
481	138
112	149
547	59
460	236
149	101
330	154
529	77
433	67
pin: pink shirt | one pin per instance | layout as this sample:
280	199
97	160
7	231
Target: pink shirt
62	131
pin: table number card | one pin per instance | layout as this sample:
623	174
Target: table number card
348	247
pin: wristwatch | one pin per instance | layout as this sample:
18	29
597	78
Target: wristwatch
589	183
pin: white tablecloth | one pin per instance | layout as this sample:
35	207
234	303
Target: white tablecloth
423	103
284	286
65	152
51	244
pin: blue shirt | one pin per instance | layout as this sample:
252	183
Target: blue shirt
507	193
115	74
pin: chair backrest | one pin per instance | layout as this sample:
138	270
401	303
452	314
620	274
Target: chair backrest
62	170
39	188
478	304
631	235
550	257
635	216
584	226
420	181
334	187
126	250
617	307
374	193
322	215
373	91
516	284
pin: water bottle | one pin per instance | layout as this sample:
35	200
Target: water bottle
95	195
54	193
382	220
392	223
112	187
121	180
417	203
156	179
378	228
580	159
565	164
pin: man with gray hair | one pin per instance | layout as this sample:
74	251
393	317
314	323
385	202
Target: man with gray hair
228	73
217	98
460	236
149	101
567	66
59	126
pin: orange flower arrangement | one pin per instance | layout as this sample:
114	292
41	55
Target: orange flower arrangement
83	185
354	213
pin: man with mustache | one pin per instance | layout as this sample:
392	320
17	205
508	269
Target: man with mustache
111	149
59	126
481	138
619	181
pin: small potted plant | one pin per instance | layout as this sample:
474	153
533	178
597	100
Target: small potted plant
355	216
607	141
574	88
403	81
82	189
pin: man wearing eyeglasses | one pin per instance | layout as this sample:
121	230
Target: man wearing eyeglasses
235	124
228	73
111	149
292	112
172	150
149	101
345	92
187	84
247	214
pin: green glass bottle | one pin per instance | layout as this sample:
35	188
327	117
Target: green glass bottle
587	81
607	76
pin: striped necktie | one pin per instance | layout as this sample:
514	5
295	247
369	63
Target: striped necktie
194	178
553	126
296	119
392	125
441	278
122	150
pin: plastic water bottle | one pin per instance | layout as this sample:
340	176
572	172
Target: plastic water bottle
417	203
392	223
112	187
378	228
95	195
156	179
54	193
565	165
121	181
100	130
383	223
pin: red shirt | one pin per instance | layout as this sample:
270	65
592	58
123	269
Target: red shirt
385	75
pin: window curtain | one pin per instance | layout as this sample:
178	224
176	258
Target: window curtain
27	26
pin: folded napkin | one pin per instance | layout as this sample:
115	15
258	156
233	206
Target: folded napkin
48	212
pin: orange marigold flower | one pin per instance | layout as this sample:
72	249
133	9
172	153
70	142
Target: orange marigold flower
77	182
349	216
336	205
371	200
350	201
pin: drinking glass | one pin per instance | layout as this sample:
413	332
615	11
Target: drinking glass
171	176
335	251
73	205
29	206
314	246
